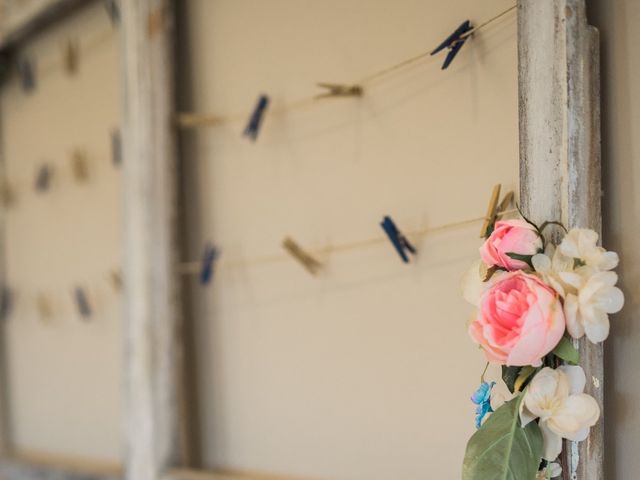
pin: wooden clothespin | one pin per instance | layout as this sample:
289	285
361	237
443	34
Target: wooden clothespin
115	277
79	165
494	208
306	260
156	21
26	71
454	42
339	90
7	194
44	306
43	178
82	302
506	202
253	126
207	268
71	56
116	147
397	239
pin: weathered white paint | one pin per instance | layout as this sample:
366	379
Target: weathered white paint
153	340
560	154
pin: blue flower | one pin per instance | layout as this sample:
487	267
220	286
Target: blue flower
482	398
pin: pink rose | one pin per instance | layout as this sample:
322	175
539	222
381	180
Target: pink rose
510	236
520	320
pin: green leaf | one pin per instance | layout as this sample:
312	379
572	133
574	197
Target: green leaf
566	351
523	376
501	449
509	376
523	258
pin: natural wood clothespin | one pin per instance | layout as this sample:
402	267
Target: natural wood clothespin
79	165
115	277
506	202
7	195
70	57
306	260
44	306
490	216
495	208
339	90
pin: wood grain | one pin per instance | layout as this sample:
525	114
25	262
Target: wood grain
559	101
153	328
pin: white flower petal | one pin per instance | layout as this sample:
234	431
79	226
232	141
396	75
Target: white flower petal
574	326
596	326
554	469
609	299
541	263
472	285
575	375
552	443
608	261
572	279
526	417
577	413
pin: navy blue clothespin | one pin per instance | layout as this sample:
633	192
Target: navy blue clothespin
253	127
43	178
113	10
26	71
454	43
116	147
6	303
399	241
82	302
207	269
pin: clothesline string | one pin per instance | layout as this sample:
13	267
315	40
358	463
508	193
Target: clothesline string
194	267
191	120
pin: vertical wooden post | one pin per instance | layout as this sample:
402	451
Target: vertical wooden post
153	344
558	80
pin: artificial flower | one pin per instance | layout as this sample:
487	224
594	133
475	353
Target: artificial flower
482	398
556	397
519	321
474	284
510	237
587	310
555	269
582	244
552	470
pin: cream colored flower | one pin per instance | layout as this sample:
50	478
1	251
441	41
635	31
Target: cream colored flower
582	244
556	269
586	311
553	470
556	397
473	284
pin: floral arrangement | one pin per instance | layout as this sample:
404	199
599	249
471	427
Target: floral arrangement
534	297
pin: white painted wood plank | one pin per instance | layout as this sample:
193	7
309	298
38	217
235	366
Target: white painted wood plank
560	154
153	343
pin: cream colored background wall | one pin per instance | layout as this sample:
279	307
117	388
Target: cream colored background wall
364	372
64	373
618	23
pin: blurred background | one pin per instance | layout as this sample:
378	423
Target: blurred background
362	371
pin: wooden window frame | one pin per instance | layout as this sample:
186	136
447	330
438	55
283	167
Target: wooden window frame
559	98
